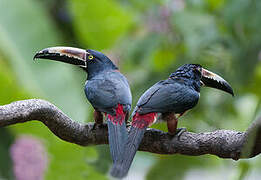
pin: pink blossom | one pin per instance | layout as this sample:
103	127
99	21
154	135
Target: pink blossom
29	158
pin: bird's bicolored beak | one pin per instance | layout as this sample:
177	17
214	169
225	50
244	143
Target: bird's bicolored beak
69	55
213	80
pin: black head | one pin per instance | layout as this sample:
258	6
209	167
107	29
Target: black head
190	75
188	71
97	62
196	76
93	62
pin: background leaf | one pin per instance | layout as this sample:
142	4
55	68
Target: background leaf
23	32
98	24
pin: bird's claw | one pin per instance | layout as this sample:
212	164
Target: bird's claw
179	131
96	125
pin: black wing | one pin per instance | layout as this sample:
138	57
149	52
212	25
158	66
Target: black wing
167	96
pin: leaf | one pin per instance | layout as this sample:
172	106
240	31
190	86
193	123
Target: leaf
6	162
163	59
175	167
197	29
9	90
23	32
98	24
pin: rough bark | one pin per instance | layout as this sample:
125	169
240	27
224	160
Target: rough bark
222	143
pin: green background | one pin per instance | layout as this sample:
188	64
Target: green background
148	40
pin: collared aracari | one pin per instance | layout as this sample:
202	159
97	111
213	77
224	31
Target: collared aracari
106	89
168	98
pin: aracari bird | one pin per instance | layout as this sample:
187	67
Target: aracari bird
106	89
168	98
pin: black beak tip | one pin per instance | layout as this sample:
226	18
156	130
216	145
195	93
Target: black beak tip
229	90
232	93
41	54
35	56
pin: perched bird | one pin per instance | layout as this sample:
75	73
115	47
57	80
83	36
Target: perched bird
106	89
170	97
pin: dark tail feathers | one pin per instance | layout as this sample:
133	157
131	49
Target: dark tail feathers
120	168
117	138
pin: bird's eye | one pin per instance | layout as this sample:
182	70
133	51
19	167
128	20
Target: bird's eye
197	70
90	57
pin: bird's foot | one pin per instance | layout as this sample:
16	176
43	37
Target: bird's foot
98	125
179	131
94	126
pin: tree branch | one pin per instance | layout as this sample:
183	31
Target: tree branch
222	143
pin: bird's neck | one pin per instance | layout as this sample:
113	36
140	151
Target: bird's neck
96	68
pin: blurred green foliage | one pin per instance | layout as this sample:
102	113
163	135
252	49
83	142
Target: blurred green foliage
148	40
98	24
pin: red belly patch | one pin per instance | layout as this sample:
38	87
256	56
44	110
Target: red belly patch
119	117
143	120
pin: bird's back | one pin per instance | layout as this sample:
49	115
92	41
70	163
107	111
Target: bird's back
168	96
